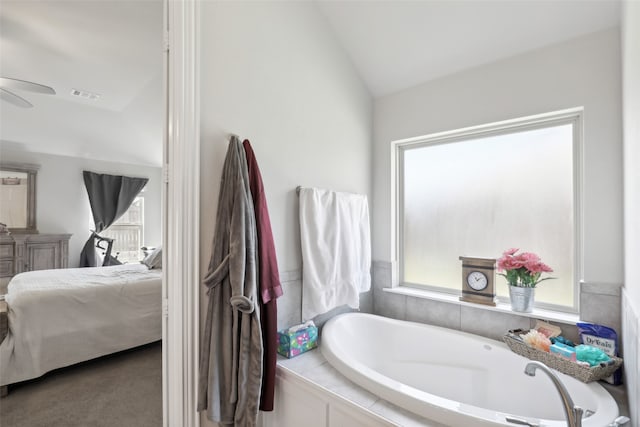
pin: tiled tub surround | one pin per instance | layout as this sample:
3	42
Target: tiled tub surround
600	303
453	377
290	303
314	368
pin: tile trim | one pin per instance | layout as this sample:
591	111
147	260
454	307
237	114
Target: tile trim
601	288
291	275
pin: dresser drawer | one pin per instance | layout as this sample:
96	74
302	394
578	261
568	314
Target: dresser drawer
6	268
6	250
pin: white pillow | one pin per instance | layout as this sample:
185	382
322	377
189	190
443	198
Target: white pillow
154	259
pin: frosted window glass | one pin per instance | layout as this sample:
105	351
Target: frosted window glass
478	197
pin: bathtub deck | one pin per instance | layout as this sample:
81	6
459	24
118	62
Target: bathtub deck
315	368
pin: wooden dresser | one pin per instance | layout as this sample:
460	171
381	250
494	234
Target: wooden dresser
27	252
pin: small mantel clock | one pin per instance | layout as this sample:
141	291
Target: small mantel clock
478	280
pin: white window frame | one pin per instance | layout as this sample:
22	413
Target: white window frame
111	229
572	116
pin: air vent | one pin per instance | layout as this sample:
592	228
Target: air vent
85	94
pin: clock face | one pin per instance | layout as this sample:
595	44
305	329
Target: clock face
477	280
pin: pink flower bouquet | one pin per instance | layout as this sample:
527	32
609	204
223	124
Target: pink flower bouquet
522	270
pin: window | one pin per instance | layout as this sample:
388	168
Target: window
479	191
127	233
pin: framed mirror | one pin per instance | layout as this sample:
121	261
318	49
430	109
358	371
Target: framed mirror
18	197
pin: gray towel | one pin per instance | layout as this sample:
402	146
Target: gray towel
231	353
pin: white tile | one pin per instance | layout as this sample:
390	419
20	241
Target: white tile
613	289
328	377
401	416
290	276
290	304
433	312
390	305
303	363
381	275
366	302
490	324
601	309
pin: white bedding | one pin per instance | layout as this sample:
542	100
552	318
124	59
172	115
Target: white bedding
61	317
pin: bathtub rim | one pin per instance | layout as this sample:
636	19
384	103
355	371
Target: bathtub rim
447	411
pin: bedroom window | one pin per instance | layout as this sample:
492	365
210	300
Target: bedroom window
479	191
127	233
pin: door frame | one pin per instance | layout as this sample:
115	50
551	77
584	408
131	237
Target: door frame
181	214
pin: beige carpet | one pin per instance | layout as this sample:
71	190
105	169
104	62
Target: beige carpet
122	390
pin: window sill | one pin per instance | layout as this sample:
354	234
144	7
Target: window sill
555	316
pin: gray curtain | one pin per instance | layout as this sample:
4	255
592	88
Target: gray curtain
109	196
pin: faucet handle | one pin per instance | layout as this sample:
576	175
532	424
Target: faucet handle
577	415
622	420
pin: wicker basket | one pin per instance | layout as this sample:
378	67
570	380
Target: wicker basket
559	363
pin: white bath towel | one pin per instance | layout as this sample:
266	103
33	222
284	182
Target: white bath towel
336	250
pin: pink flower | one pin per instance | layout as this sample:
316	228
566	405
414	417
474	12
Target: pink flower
538	267
509	263
522	269
528	257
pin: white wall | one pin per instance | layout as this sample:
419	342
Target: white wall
581	72
62	202
272	73
631	118
631	129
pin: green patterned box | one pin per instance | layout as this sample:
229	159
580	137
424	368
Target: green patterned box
291	344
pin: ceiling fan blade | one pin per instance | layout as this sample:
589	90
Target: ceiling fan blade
14	99
9	83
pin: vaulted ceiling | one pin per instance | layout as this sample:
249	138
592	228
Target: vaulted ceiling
398	44
113	48
109	48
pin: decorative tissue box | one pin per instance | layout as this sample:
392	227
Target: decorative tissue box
297	339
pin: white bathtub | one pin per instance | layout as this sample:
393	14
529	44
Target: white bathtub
452	377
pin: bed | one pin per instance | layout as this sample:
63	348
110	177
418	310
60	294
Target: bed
57	318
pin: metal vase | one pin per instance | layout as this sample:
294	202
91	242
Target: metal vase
522	298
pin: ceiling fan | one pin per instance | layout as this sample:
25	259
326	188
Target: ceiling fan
8	85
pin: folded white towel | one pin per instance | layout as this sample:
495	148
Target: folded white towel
336	250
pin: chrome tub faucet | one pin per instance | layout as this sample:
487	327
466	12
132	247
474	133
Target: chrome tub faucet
572	412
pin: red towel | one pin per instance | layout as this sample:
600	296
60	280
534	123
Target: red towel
268	279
